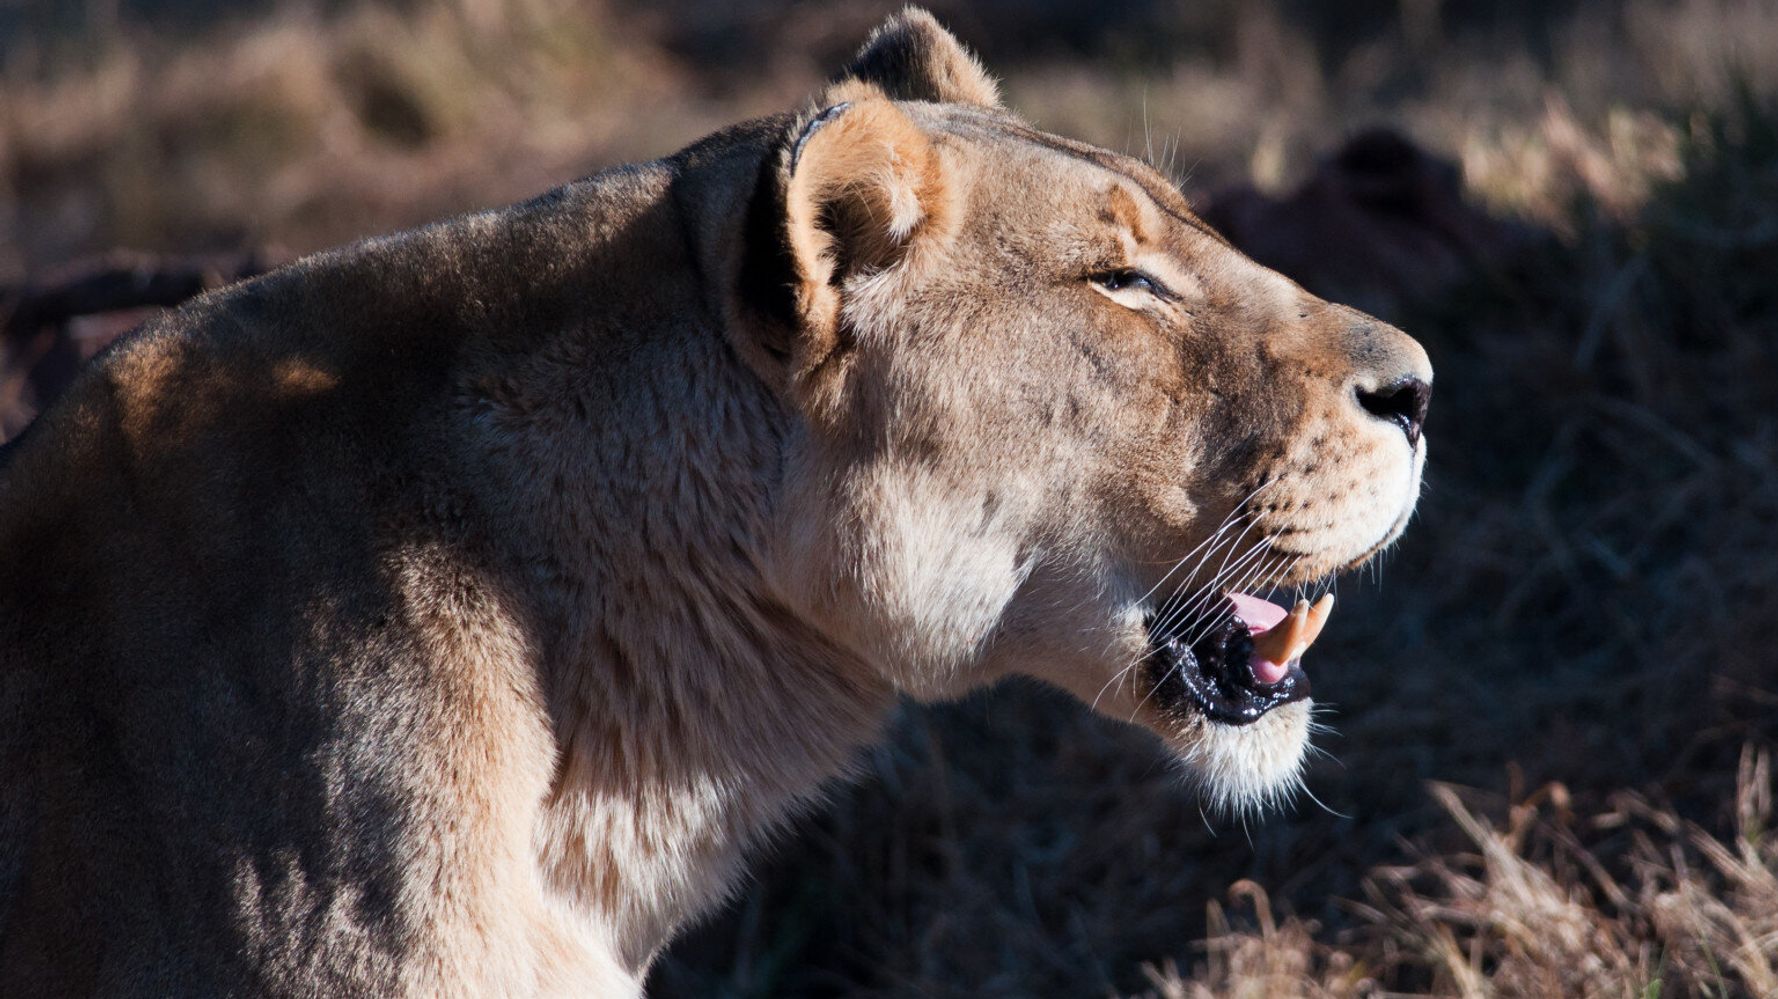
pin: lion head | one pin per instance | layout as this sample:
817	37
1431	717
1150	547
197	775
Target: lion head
1053	424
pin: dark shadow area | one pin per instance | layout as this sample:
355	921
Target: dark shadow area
1574	207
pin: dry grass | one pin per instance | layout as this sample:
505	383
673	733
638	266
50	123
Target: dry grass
1633	902
1575	630
307	128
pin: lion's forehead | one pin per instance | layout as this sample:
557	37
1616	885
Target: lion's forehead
1009	143
1038	197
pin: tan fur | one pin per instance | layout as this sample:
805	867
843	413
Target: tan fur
449	614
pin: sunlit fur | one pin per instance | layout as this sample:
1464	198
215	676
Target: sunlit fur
449	614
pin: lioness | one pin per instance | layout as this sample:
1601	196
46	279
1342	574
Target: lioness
447	614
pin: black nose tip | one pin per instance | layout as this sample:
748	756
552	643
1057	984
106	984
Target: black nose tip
1402	403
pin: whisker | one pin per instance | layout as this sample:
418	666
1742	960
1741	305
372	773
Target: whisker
1173	609
1303	786
1226	611
1217	611
1211	591
1253	566
1204	591
1226	523
1258	550
1205	550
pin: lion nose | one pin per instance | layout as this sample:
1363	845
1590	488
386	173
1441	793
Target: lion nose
1402	402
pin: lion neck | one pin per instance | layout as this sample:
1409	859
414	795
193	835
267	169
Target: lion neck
692	713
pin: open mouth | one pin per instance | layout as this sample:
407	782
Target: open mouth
1235	656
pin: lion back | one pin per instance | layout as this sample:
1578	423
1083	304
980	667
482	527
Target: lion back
221	667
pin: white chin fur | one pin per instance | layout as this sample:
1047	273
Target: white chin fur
1244	769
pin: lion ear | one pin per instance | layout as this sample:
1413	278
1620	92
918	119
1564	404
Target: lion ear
854	189
912	58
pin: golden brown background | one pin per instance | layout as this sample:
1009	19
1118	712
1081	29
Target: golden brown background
1552	711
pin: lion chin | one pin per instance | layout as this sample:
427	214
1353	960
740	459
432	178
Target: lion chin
449	614
1247	770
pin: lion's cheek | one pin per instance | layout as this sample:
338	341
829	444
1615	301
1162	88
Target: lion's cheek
908	572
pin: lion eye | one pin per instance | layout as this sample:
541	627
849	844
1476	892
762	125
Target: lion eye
1129	279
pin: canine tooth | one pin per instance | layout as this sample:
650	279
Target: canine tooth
1299	628
1318	616
1280	644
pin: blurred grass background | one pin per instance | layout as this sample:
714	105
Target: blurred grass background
1554	706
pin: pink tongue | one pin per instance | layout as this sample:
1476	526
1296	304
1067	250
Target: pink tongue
1261	616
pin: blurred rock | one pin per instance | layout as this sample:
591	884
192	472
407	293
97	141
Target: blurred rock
49	326
1380	224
